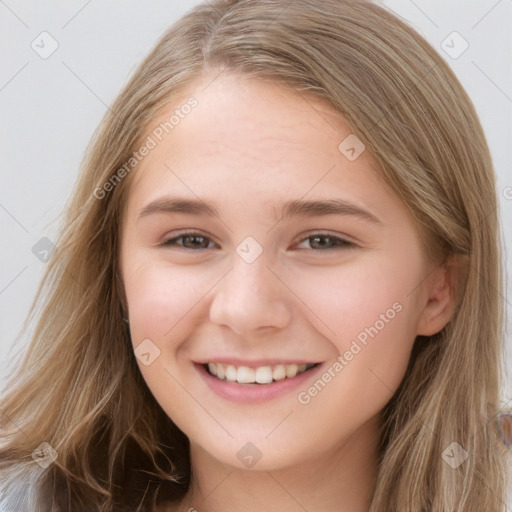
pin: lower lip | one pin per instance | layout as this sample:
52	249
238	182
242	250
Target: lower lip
255	393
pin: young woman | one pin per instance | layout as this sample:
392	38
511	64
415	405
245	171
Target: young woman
278	283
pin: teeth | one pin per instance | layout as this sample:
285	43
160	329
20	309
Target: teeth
264	375
291	370
260	375
221	371
245	375
231	373
279	372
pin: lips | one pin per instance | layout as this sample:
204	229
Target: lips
248	391
266	374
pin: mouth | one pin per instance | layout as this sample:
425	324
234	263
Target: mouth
251	383
261	375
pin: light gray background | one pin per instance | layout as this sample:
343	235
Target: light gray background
50	108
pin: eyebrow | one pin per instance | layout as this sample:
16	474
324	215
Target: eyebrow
295	208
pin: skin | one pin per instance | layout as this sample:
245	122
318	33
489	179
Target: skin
249	146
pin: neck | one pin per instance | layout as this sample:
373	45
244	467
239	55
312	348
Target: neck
339	481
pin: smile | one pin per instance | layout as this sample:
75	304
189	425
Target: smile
258	375
254	382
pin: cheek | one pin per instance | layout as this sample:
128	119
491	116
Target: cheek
161	300
368	310
351	297
159	297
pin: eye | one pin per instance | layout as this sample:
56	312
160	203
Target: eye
189	240
324	241
193	240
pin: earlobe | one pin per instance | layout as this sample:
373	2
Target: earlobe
441	298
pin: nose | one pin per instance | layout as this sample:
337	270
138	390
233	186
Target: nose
250	299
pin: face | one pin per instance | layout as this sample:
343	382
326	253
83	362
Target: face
255	249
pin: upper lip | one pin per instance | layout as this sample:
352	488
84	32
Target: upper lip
255	363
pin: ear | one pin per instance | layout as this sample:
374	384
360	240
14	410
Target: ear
441	298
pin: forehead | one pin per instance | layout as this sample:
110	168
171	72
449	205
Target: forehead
246	134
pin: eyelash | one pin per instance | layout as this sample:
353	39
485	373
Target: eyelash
340	243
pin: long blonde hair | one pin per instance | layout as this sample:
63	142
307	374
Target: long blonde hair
78	387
